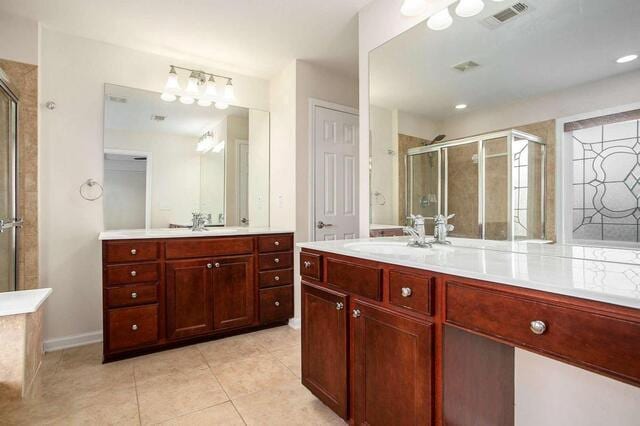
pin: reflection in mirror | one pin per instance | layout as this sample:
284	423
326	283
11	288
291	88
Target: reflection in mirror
164	161
466	121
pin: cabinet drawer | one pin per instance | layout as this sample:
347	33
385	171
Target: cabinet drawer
135	273
137	294
275	243
361	280
276	304
130	251
311	266
411	291
132	327
207	247
593	340
275	261
276	278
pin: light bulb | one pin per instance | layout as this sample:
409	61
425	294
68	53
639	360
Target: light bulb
204	102
172	85
187	100
461	106
219	147
440	21
469	8
413	7
168	97
228	91
192	84
222	105
625	59
210	89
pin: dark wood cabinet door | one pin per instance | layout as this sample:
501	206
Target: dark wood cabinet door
233	292
324	346
392	362
189	298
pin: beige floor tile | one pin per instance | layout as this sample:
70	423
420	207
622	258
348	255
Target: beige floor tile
164	397
287	404
81	356
223	414
291	358
168	362
277	338
251	374
235	348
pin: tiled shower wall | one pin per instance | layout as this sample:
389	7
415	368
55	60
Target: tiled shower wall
24	79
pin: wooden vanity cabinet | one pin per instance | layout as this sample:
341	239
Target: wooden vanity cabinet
159	293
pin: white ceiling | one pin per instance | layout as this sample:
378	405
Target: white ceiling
559	44
254	37
135	114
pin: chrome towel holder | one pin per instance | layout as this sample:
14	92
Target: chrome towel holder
88	184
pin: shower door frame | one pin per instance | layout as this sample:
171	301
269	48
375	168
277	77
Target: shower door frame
12	227
442	151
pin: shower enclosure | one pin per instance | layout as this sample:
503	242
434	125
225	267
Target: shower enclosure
493	183
8	186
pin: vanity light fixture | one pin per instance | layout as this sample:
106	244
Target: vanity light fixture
626	59
461	106
469	8
413	7
201	87
205	144
219	147
440	21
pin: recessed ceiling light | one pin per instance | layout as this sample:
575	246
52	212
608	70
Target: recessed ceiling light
461	106
626	59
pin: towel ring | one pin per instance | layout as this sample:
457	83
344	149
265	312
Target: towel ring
90	183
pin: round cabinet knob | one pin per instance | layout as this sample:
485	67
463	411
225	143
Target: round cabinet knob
277	303
307	264
209	265
276	260
277	243
134	327
339	306
134	252
276	278
356	313
134	295
217	265
538	327
406	291
134	273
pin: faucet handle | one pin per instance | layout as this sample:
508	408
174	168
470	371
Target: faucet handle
452	215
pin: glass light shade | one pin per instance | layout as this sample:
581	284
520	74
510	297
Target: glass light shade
219	147
628	58
192	85
222	105
413	7
210	89
172	85
440	21
204	102
168	97
469	8
228	91
187	100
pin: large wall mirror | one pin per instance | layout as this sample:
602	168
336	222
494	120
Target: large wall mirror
165	161
466	120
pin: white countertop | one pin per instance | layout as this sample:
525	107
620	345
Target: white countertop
228	231
380	226
23	301
610	275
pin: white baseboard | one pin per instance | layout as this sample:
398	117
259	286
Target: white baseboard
72	341
295	323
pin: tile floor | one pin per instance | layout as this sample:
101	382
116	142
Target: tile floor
252	379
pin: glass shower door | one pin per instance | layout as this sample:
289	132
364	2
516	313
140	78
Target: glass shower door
8	146
424	186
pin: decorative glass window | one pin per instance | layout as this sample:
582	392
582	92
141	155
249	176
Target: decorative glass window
606	178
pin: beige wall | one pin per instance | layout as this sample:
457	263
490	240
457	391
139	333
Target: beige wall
237	129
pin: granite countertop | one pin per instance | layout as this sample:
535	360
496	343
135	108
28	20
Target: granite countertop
610	275
230	231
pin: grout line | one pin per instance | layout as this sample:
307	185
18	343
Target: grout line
238	411
135	384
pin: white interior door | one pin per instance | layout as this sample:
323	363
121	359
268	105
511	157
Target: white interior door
336	174
243	182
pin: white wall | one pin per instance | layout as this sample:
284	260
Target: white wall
125	189
73	73
258	168
554	402
417	125
18	39
384	166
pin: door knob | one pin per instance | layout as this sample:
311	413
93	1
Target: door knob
321	224
276	278
276	260
209	265
356	313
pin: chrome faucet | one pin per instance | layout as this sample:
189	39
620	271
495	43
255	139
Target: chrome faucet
198	221
441	229
418	237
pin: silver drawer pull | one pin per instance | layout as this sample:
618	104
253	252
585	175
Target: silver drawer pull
277	243
134	295
307	264
339	306
538	327
276	278
276	260
209	265
134	273
217	265
356	313
277	303
406	292
134	252
134	327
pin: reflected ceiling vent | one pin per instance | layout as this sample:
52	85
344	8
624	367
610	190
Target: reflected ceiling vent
158	117
118	99
506	15
466	66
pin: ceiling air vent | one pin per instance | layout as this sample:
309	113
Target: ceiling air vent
466	66
502	17
118	99
158	117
